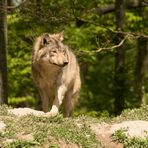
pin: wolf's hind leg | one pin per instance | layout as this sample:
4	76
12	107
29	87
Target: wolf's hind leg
71	97
70	102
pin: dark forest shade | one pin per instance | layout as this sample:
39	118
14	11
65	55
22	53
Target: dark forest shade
3	46
119	59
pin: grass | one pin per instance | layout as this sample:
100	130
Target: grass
134	114
54	132
128	142
45	132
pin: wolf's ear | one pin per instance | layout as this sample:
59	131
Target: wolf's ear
45	39
61	36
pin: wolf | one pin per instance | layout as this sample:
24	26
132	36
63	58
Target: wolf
56	73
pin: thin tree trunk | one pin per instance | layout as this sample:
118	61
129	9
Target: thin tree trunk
9	2
119	59
3	46
141	63
140	71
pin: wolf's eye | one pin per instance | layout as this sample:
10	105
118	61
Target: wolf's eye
54	51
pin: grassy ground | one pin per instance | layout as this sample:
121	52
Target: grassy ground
31	131
120	136
41	132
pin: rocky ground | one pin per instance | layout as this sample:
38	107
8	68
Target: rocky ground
103	131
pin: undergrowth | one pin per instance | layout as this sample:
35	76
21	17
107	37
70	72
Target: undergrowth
140	113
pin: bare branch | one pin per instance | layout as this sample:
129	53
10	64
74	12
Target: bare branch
108	48
127	35
130	34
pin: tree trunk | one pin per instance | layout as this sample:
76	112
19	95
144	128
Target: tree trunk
9	2
141	63
119	59
140	71
3	46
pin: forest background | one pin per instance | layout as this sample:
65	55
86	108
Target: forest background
109	38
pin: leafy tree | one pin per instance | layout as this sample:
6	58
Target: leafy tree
89	28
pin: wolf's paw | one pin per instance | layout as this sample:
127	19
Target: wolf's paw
51	114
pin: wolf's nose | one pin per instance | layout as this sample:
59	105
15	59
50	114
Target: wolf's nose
65	63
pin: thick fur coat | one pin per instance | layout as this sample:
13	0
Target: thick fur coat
56	74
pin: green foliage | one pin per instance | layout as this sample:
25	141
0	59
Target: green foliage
21	144
22	101
120	136
19	59
134	114
85	31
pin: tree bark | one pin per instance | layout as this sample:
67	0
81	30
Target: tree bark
119	59
3	46
140	71
141	64
9	2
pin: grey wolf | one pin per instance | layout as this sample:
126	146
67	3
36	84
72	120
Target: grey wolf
56	74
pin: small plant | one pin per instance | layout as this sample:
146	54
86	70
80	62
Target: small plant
129	142
119	136
21	144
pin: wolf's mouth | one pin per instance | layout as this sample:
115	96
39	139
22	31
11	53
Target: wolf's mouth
60	65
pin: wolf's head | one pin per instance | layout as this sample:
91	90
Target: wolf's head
52	49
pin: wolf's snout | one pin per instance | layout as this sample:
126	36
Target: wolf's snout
65	63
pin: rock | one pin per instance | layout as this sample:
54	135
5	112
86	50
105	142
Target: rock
137	128
25	111
103	131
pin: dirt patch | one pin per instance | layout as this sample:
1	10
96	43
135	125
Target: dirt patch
60	142
103	135
63	144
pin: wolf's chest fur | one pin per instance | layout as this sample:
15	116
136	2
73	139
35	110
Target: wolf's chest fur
47	77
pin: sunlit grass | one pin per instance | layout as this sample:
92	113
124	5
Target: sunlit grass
45	131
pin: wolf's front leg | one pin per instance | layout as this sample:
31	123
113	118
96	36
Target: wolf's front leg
44	99
60	93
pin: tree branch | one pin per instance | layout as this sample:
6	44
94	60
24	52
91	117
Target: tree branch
108	48
127	35
111	7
